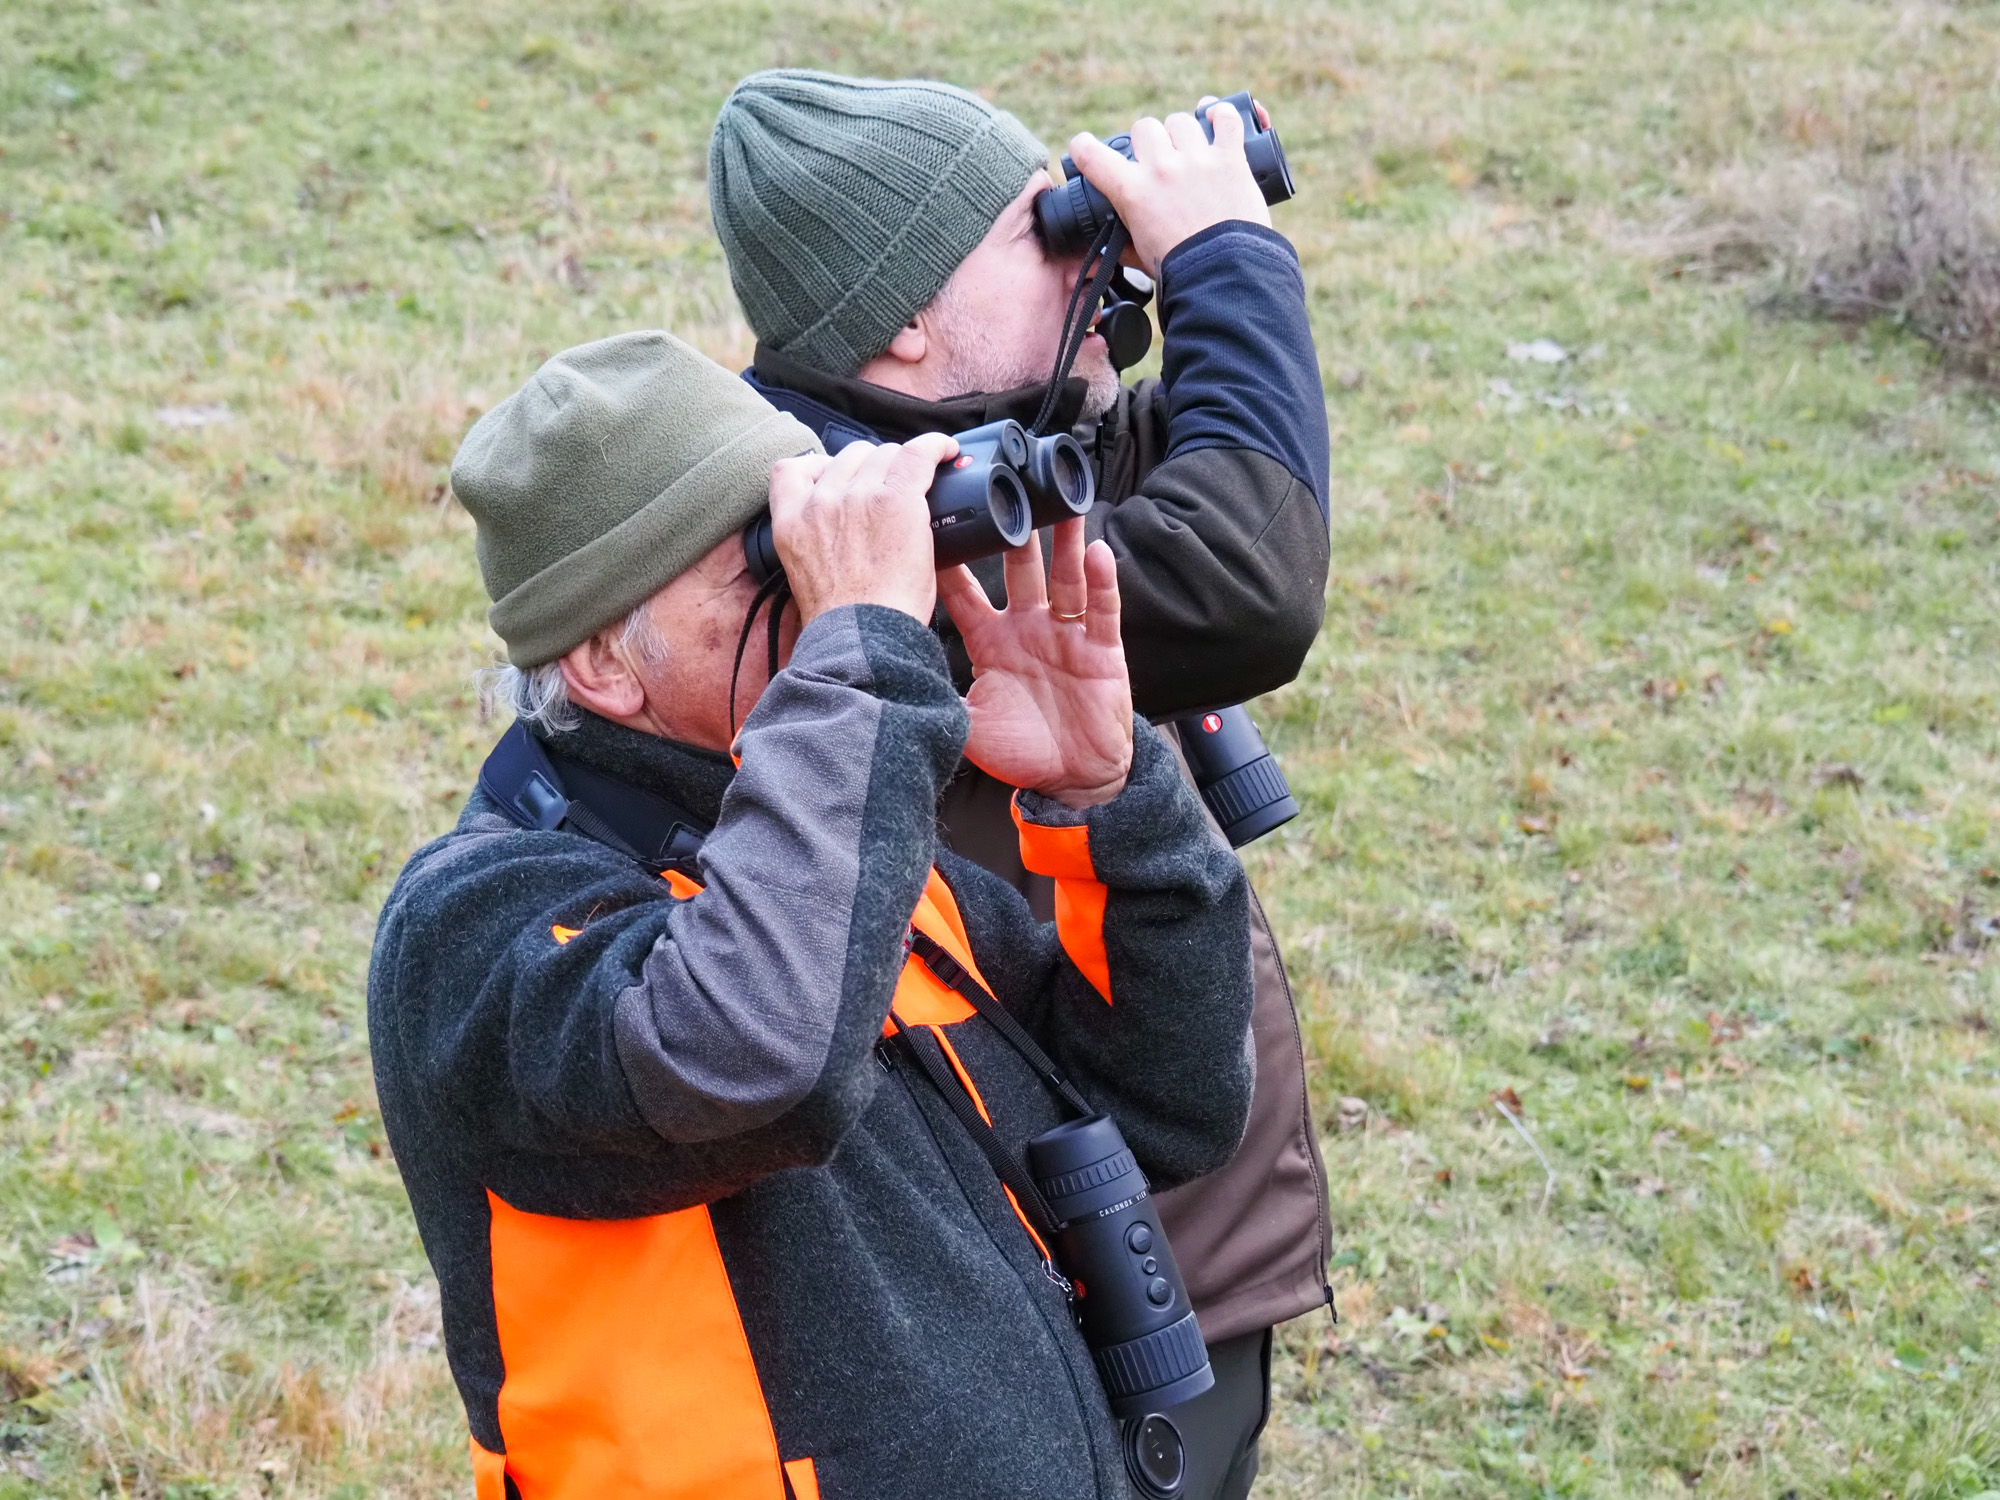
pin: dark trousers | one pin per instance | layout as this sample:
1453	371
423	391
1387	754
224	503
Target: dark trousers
1221	1426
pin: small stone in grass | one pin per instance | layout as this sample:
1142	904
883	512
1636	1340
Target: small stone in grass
193	416
1537	351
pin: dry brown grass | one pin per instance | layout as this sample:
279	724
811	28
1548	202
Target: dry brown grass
186	1389
1912	237
1857	178
1920	246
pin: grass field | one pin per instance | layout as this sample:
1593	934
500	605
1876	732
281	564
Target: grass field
1648	755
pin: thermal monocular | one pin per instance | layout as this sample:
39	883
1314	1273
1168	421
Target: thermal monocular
1089	1203
1130	1300
1238	777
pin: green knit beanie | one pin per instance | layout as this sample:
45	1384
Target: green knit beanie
617	466
844	204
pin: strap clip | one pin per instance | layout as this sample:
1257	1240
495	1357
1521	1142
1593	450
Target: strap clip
544	806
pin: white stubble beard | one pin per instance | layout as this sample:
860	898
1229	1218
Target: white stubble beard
972	365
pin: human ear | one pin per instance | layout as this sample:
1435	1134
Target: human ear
600	678
911	343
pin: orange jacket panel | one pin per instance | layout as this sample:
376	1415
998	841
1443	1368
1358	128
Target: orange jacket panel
604	1398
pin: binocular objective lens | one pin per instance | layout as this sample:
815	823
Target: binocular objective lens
1155	1457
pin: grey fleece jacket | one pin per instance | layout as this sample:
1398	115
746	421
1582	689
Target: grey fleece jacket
562	1047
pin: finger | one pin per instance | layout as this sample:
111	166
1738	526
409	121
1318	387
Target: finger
1025	584
1263	114
871	479
964	599
1069	594
1228	127
1100	571
1185	132
1150	140
1105	169
921	456
840	470
792	479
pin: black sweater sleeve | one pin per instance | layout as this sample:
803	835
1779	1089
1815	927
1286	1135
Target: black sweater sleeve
1218	478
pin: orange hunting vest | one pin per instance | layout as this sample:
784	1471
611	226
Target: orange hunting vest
628	1371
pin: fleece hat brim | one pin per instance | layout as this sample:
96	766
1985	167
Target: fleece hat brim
619	465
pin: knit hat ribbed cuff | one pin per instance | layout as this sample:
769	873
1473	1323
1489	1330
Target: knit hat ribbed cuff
611	576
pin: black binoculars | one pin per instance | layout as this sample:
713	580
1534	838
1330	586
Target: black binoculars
1070	215
1237	776
1003	485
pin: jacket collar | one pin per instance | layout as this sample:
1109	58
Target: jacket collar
842	409
686	775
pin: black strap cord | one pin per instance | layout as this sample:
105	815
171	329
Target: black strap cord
924	1049
589	824
775	591
1100	264
955	975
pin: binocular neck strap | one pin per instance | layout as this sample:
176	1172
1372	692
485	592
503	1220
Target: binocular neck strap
775	591
923	1048
1100	264
955	976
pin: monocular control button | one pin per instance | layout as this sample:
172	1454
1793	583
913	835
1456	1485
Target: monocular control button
1150	1266
1158	1292
1140	1238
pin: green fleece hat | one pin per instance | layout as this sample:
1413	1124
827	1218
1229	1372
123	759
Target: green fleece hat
618	466
844	204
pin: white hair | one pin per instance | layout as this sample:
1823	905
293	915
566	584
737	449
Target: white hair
538	696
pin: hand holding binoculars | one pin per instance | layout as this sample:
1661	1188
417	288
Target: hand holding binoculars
1070	215
1003	485
1074	215
1007	481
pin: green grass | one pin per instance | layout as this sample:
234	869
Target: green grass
1648	756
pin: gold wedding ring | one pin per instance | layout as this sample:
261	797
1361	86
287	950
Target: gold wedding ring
1068	619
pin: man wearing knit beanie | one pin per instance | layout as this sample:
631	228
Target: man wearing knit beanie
675	1031
881	239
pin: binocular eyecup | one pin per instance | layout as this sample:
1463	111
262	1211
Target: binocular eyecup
1070	214
1002	486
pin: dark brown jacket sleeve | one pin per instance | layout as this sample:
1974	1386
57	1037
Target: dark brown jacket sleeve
1216	479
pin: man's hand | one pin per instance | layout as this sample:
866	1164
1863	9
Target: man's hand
1051	703
1179	185
854	528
